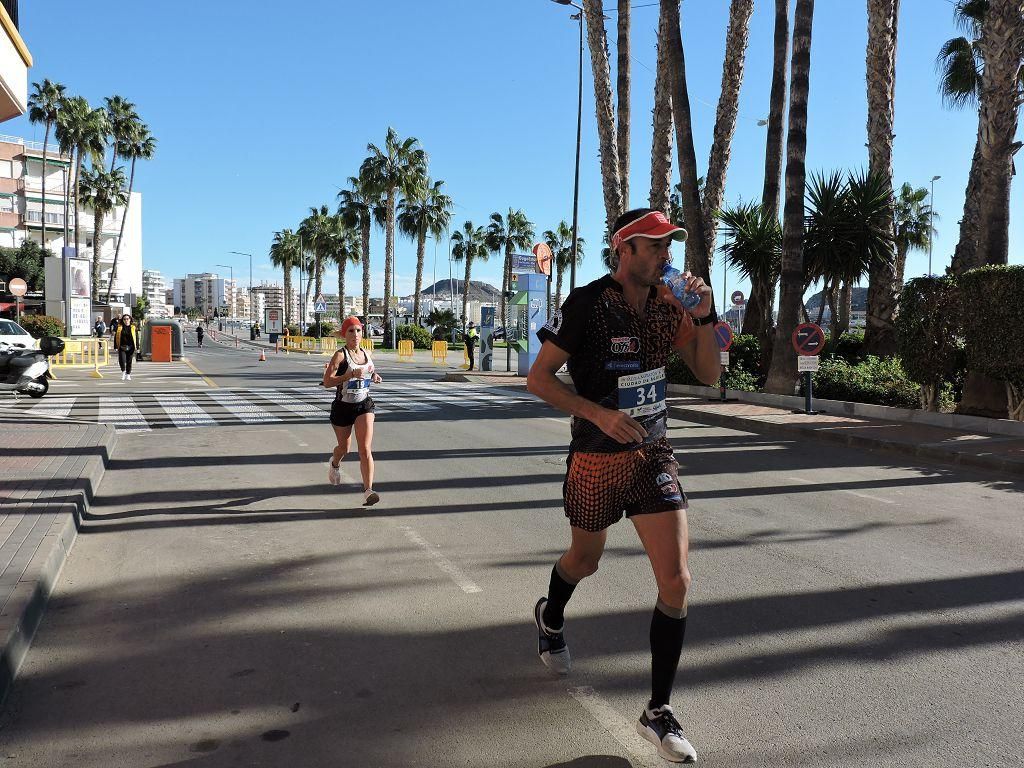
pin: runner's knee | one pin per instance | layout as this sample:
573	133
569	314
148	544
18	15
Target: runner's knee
581	564
674	586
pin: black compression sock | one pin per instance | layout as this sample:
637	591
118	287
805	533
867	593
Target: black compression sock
559	591
668	627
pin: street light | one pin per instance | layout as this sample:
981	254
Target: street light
931	223
231	306
579	126
243	253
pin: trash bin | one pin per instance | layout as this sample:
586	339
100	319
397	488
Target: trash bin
252	334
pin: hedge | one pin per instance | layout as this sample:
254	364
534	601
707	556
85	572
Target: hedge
876	380
929	335
42	325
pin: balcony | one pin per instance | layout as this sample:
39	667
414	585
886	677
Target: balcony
14	63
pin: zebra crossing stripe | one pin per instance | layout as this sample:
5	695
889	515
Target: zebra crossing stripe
290	402
122	412
53	408
240	407
184	412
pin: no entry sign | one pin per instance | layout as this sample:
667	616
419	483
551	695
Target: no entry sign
808	339
738	298
723	335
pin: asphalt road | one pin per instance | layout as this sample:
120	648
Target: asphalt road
224	606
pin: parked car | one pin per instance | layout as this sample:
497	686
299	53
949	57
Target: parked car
14	334
375	330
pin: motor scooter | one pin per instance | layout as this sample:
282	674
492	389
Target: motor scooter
27	371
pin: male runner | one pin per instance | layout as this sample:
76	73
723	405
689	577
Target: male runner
616	334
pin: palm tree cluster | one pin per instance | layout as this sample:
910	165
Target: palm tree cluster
85	134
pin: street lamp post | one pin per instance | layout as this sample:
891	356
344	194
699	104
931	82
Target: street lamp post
931	223
243	253
231	305
579	125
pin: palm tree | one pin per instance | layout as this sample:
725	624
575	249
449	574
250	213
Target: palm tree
597	41
124	122
736	41
398	169
428	215
44	105
345	250
883	24
782	374
83	131
622	103
776	115
285	252
507	234
661	138
315	233
355	206
103	191
753	246
559	241
139	145
913	226
470	244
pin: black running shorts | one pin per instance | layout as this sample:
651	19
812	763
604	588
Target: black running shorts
345	414
600	487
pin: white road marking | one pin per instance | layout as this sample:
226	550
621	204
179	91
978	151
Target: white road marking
53	408
443	563
641	752
291	403
852	493
184	412
240	407
120	411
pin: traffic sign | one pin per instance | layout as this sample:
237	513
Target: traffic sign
723	335
18	287
808	339
524	263
738	298
805	363
319	303
544	256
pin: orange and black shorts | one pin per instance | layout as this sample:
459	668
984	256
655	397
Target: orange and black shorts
600	487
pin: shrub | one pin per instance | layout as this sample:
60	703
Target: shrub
677	372
740	379
991	302
929	336
420	336
42	325
849	347
323	328
876	380
745	353
293	330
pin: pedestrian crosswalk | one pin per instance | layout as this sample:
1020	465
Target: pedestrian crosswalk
145	411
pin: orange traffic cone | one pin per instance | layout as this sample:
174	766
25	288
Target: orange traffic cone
263	356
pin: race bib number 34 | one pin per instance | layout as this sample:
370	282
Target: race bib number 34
642	394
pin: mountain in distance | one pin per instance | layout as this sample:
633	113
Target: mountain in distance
859	300
478	290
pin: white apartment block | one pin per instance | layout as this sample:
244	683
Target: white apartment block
154	288
208	292
15	61
21	214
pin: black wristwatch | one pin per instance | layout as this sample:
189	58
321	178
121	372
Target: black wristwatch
711	319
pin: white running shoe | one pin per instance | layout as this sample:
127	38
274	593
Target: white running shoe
660	727
551	645
128	376
370	498
123	375
333	473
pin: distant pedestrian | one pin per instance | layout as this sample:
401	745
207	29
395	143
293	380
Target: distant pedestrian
100	328
351	372
126	342
199	335
471	336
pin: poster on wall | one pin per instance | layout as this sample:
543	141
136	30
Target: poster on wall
80	320
79	279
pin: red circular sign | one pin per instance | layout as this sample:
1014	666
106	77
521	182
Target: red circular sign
18	287
808	339
723	335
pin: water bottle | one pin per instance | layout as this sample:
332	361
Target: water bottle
677	284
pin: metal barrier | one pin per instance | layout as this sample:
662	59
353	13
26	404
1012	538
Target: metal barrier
405	349
439	352
367	344
82	353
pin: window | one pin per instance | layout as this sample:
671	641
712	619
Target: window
6	169
6	205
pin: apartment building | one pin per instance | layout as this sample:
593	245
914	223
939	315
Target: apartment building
15	61
154	288
22	215
210	293
271	296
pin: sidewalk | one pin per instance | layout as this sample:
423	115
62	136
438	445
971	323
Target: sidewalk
49	472
977	448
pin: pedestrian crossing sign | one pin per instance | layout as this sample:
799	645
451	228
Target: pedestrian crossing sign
320	303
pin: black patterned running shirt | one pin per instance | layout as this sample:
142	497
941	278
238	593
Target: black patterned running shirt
616	359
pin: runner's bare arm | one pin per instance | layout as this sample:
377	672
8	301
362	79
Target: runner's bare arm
330	379
701	356
543	382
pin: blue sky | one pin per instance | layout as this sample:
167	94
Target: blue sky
263	109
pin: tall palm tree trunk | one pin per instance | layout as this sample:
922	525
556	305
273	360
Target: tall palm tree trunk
782	374
661	140
465	291
46	144
78	169
97	224
776	112
421	250
725	120
506	283
389	251
341	289
287	299
965	256
598	44
364	232
1002	48
120	234
622	87
687	157
558	287
883	25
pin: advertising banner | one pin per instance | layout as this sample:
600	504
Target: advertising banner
273	320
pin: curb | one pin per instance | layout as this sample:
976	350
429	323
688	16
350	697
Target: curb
24	610
967	460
